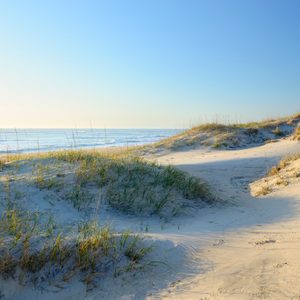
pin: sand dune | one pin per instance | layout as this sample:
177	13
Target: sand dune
231	136
241	248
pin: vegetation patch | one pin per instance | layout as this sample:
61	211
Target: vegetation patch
124	181
283	163
43	180
286	172
230	136
297	134
34	251
136	186
2	164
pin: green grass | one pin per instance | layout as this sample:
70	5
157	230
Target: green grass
126	182
34	249
78	197
136	186
42	181
26	245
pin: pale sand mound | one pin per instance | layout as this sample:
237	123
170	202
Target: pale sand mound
232	136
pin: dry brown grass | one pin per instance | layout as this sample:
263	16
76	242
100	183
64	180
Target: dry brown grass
296	135
283	163
264	190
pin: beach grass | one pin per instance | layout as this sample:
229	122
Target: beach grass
232	136
33	251
126	182
297	134
283	163
285	173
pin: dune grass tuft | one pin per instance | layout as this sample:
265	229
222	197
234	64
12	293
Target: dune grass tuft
30	254
283	163
133	185
126	182
296	135
285	173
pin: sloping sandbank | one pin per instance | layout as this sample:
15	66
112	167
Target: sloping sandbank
230	136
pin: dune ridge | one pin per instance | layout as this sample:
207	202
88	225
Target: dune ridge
232	136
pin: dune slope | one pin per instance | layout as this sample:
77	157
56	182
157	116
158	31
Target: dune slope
233	136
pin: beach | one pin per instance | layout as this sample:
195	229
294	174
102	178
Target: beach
149	150
237	247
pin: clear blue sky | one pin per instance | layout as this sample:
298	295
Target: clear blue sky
149	63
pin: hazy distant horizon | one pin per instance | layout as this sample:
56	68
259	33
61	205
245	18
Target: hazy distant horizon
204	120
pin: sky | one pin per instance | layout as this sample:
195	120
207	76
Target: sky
147	64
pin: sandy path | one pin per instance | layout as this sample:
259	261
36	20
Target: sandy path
246	251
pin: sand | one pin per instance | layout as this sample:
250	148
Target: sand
243	248
251	249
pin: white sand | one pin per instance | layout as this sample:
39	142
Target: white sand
248	249
251	250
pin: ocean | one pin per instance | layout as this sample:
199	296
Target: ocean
34	140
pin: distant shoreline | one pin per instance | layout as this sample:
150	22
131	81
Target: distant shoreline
44	140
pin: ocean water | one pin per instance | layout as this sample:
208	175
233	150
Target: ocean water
32	140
